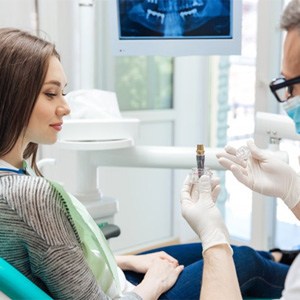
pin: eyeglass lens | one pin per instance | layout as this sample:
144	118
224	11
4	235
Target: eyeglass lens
284	93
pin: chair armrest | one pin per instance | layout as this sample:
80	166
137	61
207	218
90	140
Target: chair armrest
15	285
109	230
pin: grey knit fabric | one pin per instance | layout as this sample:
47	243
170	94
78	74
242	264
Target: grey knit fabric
37	238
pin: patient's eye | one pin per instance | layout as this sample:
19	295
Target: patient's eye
50	95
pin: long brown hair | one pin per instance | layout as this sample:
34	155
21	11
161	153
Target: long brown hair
24	60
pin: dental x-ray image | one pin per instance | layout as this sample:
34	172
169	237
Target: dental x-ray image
175	19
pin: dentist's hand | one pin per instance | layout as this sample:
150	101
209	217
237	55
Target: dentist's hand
202	214
215	189
264	173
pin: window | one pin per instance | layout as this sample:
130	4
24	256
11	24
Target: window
144	83
235	115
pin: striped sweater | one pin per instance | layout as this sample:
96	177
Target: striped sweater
36	237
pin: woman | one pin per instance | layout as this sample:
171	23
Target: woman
48	235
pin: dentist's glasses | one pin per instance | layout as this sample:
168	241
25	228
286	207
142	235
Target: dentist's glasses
283	89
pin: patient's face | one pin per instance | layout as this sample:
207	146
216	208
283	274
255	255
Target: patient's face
50	108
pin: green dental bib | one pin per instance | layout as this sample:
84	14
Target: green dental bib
93	243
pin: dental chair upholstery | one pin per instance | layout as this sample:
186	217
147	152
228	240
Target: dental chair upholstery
17	286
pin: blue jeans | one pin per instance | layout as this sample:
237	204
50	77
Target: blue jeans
258	274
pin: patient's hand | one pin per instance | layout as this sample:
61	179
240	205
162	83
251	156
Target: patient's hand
160	277
142	263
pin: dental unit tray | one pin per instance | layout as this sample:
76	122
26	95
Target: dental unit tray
95	130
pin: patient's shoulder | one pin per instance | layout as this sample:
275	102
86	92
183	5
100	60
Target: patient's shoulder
28	193
39	205
15	185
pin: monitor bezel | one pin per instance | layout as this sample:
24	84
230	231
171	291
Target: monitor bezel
176	47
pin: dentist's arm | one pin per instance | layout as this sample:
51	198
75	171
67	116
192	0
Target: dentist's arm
199	210
219	280
296	211
264	173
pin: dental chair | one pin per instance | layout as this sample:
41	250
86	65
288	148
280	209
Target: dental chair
15	285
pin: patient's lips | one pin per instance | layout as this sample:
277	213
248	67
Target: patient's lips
57	126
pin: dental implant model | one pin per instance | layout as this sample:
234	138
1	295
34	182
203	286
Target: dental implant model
243	153
200	158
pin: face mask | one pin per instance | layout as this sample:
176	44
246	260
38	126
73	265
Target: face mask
292	108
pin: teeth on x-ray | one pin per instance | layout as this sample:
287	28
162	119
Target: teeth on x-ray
180	5
155	14
175	17
188	13
162	16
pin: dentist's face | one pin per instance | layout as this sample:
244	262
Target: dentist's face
50	108
291	70
291	58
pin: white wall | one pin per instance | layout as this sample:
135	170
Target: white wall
59	19
16	13
268	64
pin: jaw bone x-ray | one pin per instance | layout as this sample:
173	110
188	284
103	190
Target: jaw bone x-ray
175	18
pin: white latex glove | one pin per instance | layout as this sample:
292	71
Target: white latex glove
202	214
264	173
215	189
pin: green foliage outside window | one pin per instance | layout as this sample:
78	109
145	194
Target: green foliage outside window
144	83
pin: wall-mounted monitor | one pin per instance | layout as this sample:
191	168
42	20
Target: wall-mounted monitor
176	27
